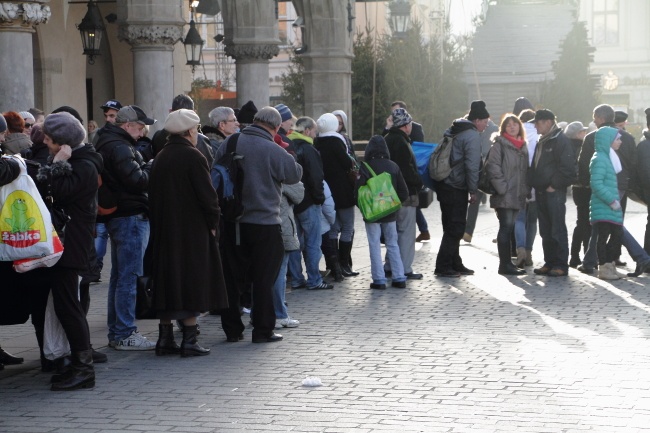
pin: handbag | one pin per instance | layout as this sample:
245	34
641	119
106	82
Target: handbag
25	222
144	308
425	198
377	198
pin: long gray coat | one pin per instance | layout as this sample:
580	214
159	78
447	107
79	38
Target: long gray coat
507	167
183	209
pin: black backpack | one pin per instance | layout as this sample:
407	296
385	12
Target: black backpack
228	180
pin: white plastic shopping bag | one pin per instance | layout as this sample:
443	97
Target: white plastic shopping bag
55	342
25	222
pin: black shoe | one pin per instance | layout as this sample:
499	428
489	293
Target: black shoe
510	269
347	271
398	284
378	286
575	262
98	357
234	339
413	276
463	270
640	268
585	269
618	262
189	345
274	338
80	373
447	273
321	286
7	358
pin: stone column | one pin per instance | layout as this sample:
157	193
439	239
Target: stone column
328	60
17	23
251	38
152	44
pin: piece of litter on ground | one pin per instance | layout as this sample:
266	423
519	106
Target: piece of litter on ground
312	381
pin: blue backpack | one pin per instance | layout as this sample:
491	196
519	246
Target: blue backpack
228	180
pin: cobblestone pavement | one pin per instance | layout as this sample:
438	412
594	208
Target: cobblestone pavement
483	353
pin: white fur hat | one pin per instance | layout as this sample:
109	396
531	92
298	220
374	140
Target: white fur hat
181	120
327	123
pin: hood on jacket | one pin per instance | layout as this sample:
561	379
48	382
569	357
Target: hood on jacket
376	148
344	118
458	126
605	136
521	104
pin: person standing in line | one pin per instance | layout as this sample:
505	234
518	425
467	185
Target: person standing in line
506	167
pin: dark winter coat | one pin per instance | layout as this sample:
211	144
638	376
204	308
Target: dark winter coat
74	188
312	172
9	170
401	153
125	173
626	153
643	167
336	164
604	188
183	210
554	163
507	167
417	132
377	157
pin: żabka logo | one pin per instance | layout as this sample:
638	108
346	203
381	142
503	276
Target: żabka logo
21	240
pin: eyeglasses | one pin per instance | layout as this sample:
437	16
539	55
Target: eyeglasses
28	125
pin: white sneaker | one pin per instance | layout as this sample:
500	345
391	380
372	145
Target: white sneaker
286	323
135	341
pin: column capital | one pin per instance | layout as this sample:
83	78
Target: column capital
143	35
251	51
23	17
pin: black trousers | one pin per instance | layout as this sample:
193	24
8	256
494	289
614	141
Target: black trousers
582	230
453	205
610	237
258	254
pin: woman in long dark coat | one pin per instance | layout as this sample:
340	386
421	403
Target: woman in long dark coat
184	213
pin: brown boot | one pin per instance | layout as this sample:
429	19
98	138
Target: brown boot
529	258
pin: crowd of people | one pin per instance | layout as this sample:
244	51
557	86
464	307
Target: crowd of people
157	202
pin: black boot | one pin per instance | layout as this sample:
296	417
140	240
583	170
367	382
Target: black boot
166	344
80	375
335	268
345	250
189	345
506	267
62	367
8	359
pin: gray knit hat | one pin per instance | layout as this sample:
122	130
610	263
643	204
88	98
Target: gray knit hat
63	128
401	117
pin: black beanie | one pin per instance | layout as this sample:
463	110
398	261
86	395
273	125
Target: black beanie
647	117
67	109
247	113
478	111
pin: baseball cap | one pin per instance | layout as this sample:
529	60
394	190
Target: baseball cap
111	104
133	113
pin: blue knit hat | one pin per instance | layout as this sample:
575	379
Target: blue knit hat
3	124
284	111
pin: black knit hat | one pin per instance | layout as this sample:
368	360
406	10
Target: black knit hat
67	109
478	111
247	113
647	116
620	116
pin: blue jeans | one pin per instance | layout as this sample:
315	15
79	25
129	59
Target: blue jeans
101	241
344	224
374	231
421	221
279	290
308	228
129	238
635	250
526	226
551	209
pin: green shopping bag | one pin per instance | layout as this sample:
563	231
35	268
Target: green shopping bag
377	198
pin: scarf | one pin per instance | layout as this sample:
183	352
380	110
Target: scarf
297	135
518	143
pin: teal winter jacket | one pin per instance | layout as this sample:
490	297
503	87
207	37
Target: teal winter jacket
604	187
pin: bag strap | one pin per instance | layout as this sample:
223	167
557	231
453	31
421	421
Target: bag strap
370	169
232	143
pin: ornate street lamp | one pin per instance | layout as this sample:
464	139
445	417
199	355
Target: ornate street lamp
193	46
92	29
400	17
